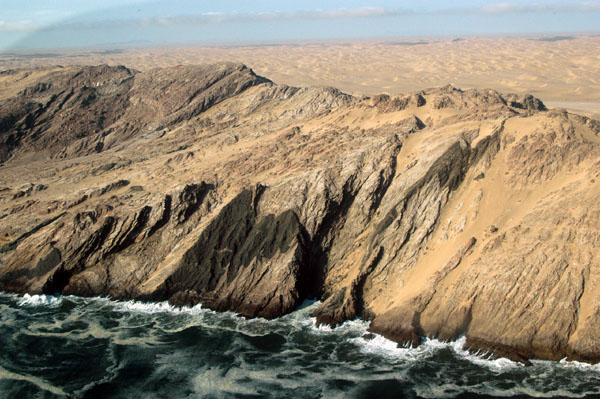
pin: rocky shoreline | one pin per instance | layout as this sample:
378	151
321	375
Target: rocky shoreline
438	213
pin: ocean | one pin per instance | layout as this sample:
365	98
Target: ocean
71	347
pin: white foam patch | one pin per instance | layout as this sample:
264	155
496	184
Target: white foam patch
384	347
351	331
381	346
39	300
481	359
356	326
155	307
197	316
573	364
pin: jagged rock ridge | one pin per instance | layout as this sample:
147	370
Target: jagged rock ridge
437	213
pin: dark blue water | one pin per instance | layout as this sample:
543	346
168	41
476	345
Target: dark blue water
98	348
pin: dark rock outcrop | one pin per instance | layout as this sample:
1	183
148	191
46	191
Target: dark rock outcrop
84	110
243	263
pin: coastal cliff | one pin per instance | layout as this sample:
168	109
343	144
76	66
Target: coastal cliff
438	213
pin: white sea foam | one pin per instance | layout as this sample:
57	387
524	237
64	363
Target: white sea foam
381	346
39	300
355	326
573	364
482	359
352	330
155	307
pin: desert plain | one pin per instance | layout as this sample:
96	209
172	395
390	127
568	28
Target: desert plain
562	69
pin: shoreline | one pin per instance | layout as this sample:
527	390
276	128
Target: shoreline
212	184
463	343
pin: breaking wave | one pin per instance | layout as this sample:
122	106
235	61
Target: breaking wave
39	300
97	347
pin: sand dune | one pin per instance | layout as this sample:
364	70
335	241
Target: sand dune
559	71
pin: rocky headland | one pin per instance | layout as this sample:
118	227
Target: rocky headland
438	213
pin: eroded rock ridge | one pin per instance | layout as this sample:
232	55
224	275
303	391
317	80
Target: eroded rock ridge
438	213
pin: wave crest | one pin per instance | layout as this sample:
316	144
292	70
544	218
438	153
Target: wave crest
39	300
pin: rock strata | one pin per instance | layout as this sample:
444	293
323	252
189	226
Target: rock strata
439	213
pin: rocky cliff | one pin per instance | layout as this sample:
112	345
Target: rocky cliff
438	213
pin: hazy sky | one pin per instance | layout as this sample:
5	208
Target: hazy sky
45	24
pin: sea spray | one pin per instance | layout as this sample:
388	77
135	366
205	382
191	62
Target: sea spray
98	347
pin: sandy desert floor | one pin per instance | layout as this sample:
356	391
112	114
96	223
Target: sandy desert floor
561	70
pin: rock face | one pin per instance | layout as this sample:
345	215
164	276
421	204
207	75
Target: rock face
438	213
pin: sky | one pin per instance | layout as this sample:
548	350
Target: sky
53	24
